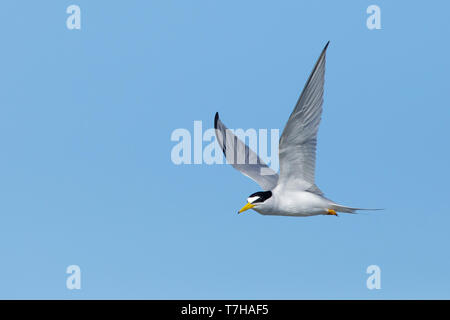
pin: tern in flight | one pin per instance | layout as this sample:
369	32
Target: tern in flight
293	192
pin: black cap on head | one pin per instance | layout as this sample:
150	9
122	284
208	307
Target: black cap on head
262	196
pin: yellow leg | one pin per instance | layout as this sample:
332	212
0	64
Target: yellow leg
331	212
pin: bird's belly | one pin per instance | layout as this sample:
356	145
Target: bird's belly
300	203
294	212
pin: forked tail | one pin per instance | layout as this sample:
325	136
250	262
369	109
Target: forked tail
340	208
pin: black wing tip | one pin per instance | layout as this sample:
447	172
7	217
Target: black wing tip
216	118
325	48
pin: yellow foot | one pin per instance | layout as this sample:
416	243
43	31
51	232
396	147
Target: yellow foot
331	212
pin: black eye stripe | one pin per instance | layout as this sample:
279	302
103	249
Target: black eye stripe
262	196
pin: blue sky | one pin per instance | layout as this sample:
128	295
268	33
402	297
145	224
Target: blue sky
86	175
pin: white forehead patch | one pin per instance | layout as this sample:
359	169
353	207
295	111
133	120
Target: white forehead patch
251	199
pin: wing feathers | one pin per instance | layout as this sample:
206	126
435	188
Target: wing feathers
298	141
242	158
297	147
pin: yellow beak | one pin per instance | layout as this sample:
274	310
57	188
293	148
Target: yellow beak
246	207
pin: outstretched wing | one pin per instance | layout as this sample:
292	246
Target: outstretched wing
297	148
242	158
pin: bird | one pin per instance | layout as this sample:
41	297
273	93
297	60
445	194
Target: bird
293	191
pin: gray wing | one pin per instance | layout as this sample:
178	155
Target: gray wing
242	158
297	149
